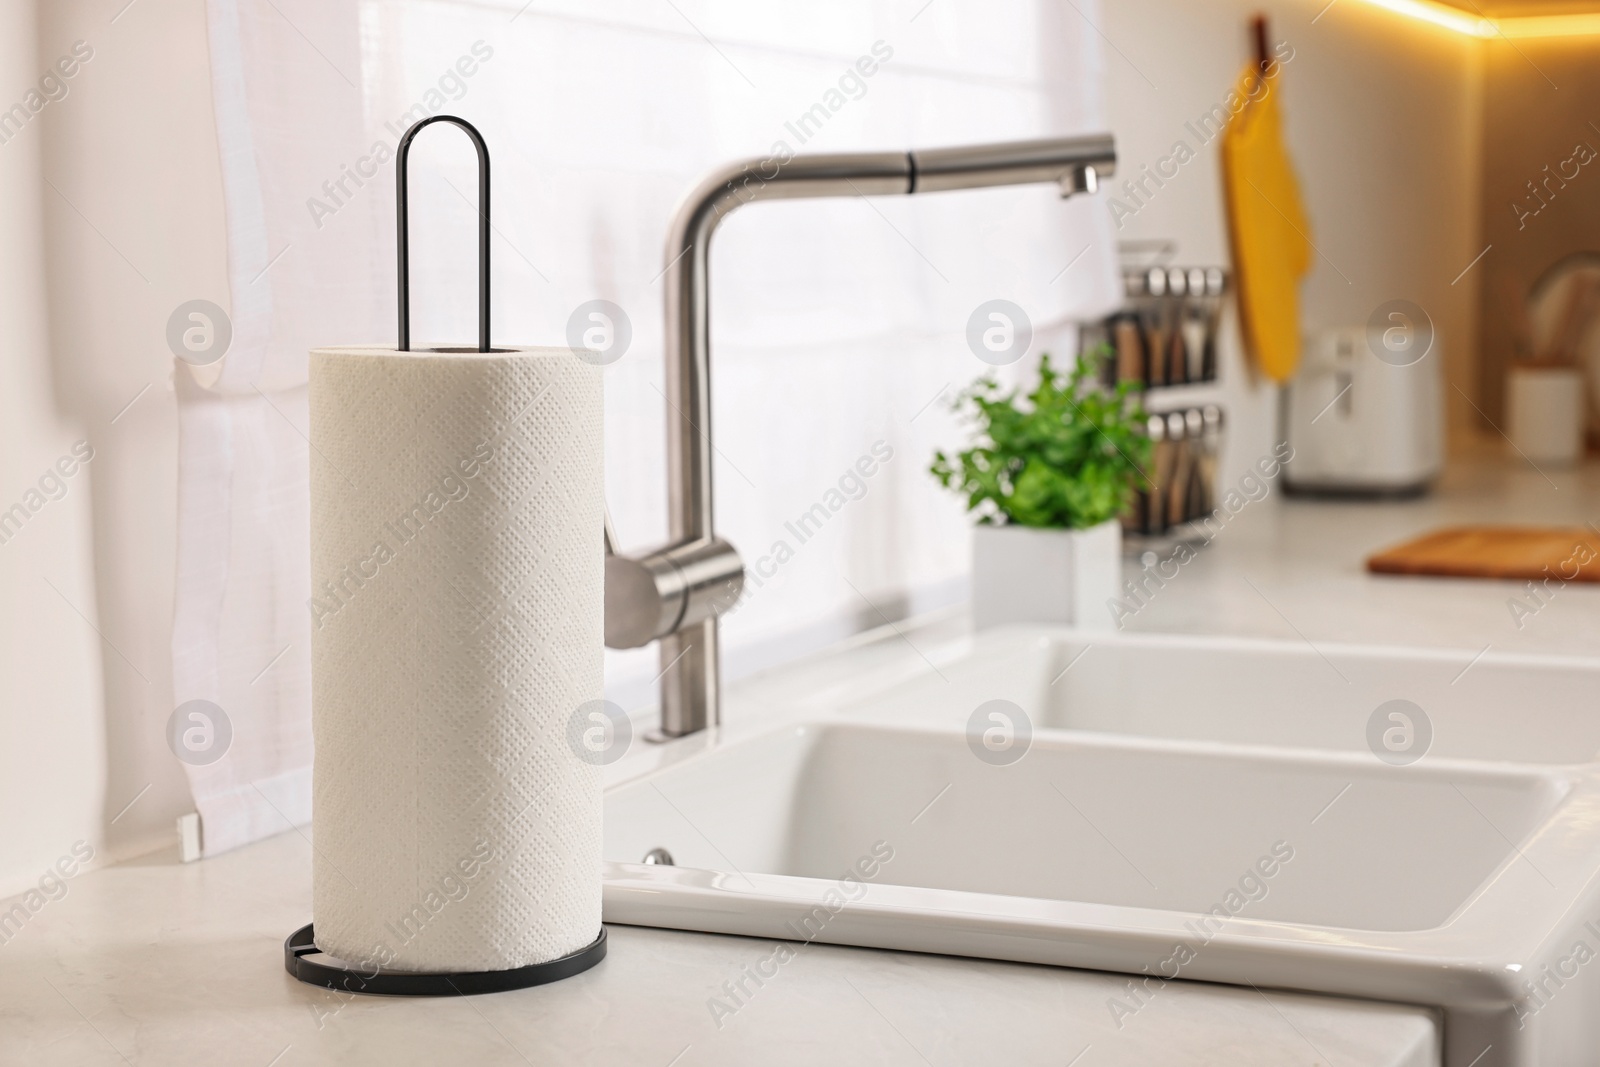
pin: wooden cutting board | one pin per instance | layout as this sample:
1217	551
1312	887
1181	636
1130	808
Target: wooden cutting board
1520	553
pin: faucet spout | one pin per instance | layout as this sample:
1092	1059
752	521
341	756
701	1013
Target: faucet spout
1073	163
675	594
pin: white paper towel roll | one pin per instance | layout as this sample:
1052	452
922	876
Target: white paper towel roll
458	608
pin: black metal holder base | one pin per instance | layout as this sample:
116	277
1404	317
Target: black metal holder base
346	977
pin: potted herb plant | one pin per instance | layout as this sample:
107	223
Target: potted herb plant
1047	478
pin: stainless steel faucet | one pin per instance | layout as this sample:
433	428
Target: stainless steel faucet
675	593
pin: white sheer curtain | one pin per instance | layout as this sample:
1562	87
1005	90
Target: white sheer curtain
838	326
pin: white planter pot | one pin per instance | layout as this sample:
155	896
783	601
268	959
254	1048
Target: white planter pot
1026	574
1544	414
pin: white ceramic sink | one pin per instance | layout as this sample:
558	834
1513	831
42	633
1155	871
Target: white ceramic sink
1087	820
1482	705
855	809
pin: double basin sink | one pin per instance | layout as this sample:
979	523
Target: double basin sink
1418	827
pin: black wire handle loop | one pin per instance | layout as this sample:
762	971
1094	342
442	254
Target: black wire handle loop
403	245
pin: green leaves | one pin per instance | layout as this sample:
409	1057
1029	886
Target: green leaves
1063	456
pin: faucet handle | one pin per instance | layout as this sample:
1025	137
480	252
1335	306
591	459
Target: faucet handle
609	533
669	589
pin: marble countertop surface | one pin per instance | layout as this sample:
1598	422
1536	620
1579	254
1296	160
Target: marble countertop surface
157	962
1294	568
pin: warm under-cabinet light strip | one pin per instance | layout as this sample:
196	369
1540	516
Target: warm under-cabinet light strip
1550	25
1453	18
1450	18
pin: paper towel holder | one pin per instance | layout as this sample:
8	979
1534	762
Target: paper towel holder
301	946
403	228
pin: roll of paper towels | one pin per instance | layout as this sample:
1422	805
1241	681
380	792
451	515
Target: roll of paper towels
457	602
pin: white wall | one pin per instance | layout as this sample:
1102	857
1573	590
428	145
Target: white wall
1383	119
133	227
51	732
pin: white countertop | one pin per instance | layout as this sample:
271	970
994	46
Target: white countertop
155	962
162	963
1294	568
